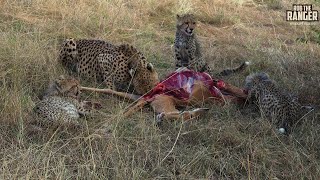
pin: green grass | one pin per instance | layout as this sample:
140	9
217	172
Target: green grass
228	143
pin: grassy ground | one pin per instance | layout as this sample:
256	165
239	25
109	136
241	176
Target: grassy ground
226	144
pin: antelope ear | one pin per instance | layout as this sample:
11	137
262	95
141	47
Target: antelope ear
150	67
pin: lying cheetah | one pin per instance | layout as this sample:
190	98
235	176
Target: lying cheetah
280	107
188	50
116	66
61	104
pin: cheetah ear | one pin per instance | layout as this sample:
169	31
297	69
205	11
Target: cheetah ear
131	53
150	67
178	16
134	62
127	49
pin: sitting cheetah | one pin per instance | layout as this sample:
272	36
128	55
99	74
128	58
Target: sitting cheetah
280	107
61	103
188	50
116	66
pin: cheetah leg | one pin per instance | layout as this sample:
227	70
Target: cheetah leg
109	83
178	59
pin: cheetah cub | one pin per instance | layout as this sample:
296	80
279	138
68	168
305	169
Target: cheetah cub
188	50
61	102
280	107
187	47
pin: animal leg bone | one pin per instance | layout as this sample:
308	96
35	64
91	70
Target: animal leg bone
110	91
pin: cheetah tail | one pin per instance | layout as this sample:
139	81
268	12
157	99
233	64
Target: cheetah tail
240	68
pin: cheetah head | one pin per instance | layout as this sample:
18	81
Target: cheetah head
143	74
253	80
64	86
186	23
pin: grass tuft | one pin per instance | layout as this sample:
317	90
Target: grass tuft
230	142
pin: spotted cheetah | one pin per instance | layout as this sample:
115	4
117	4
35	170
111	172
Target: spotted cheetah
61	104
280	107
187	47
188	50
115	65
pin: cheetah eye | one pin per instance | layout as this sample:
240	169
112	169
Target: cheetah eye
193	23
186	23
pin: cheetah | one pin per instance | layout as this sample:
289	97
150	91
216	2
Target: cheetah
61	104
280	107
117	66
188	50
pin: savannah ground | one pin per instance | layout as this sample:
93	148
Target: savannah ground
228	143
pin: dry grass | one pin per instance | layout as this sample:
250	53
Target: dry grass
226	144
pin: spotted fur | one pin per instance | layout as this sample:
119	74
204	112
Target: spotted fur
280	107
61	104
116	66
188	50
